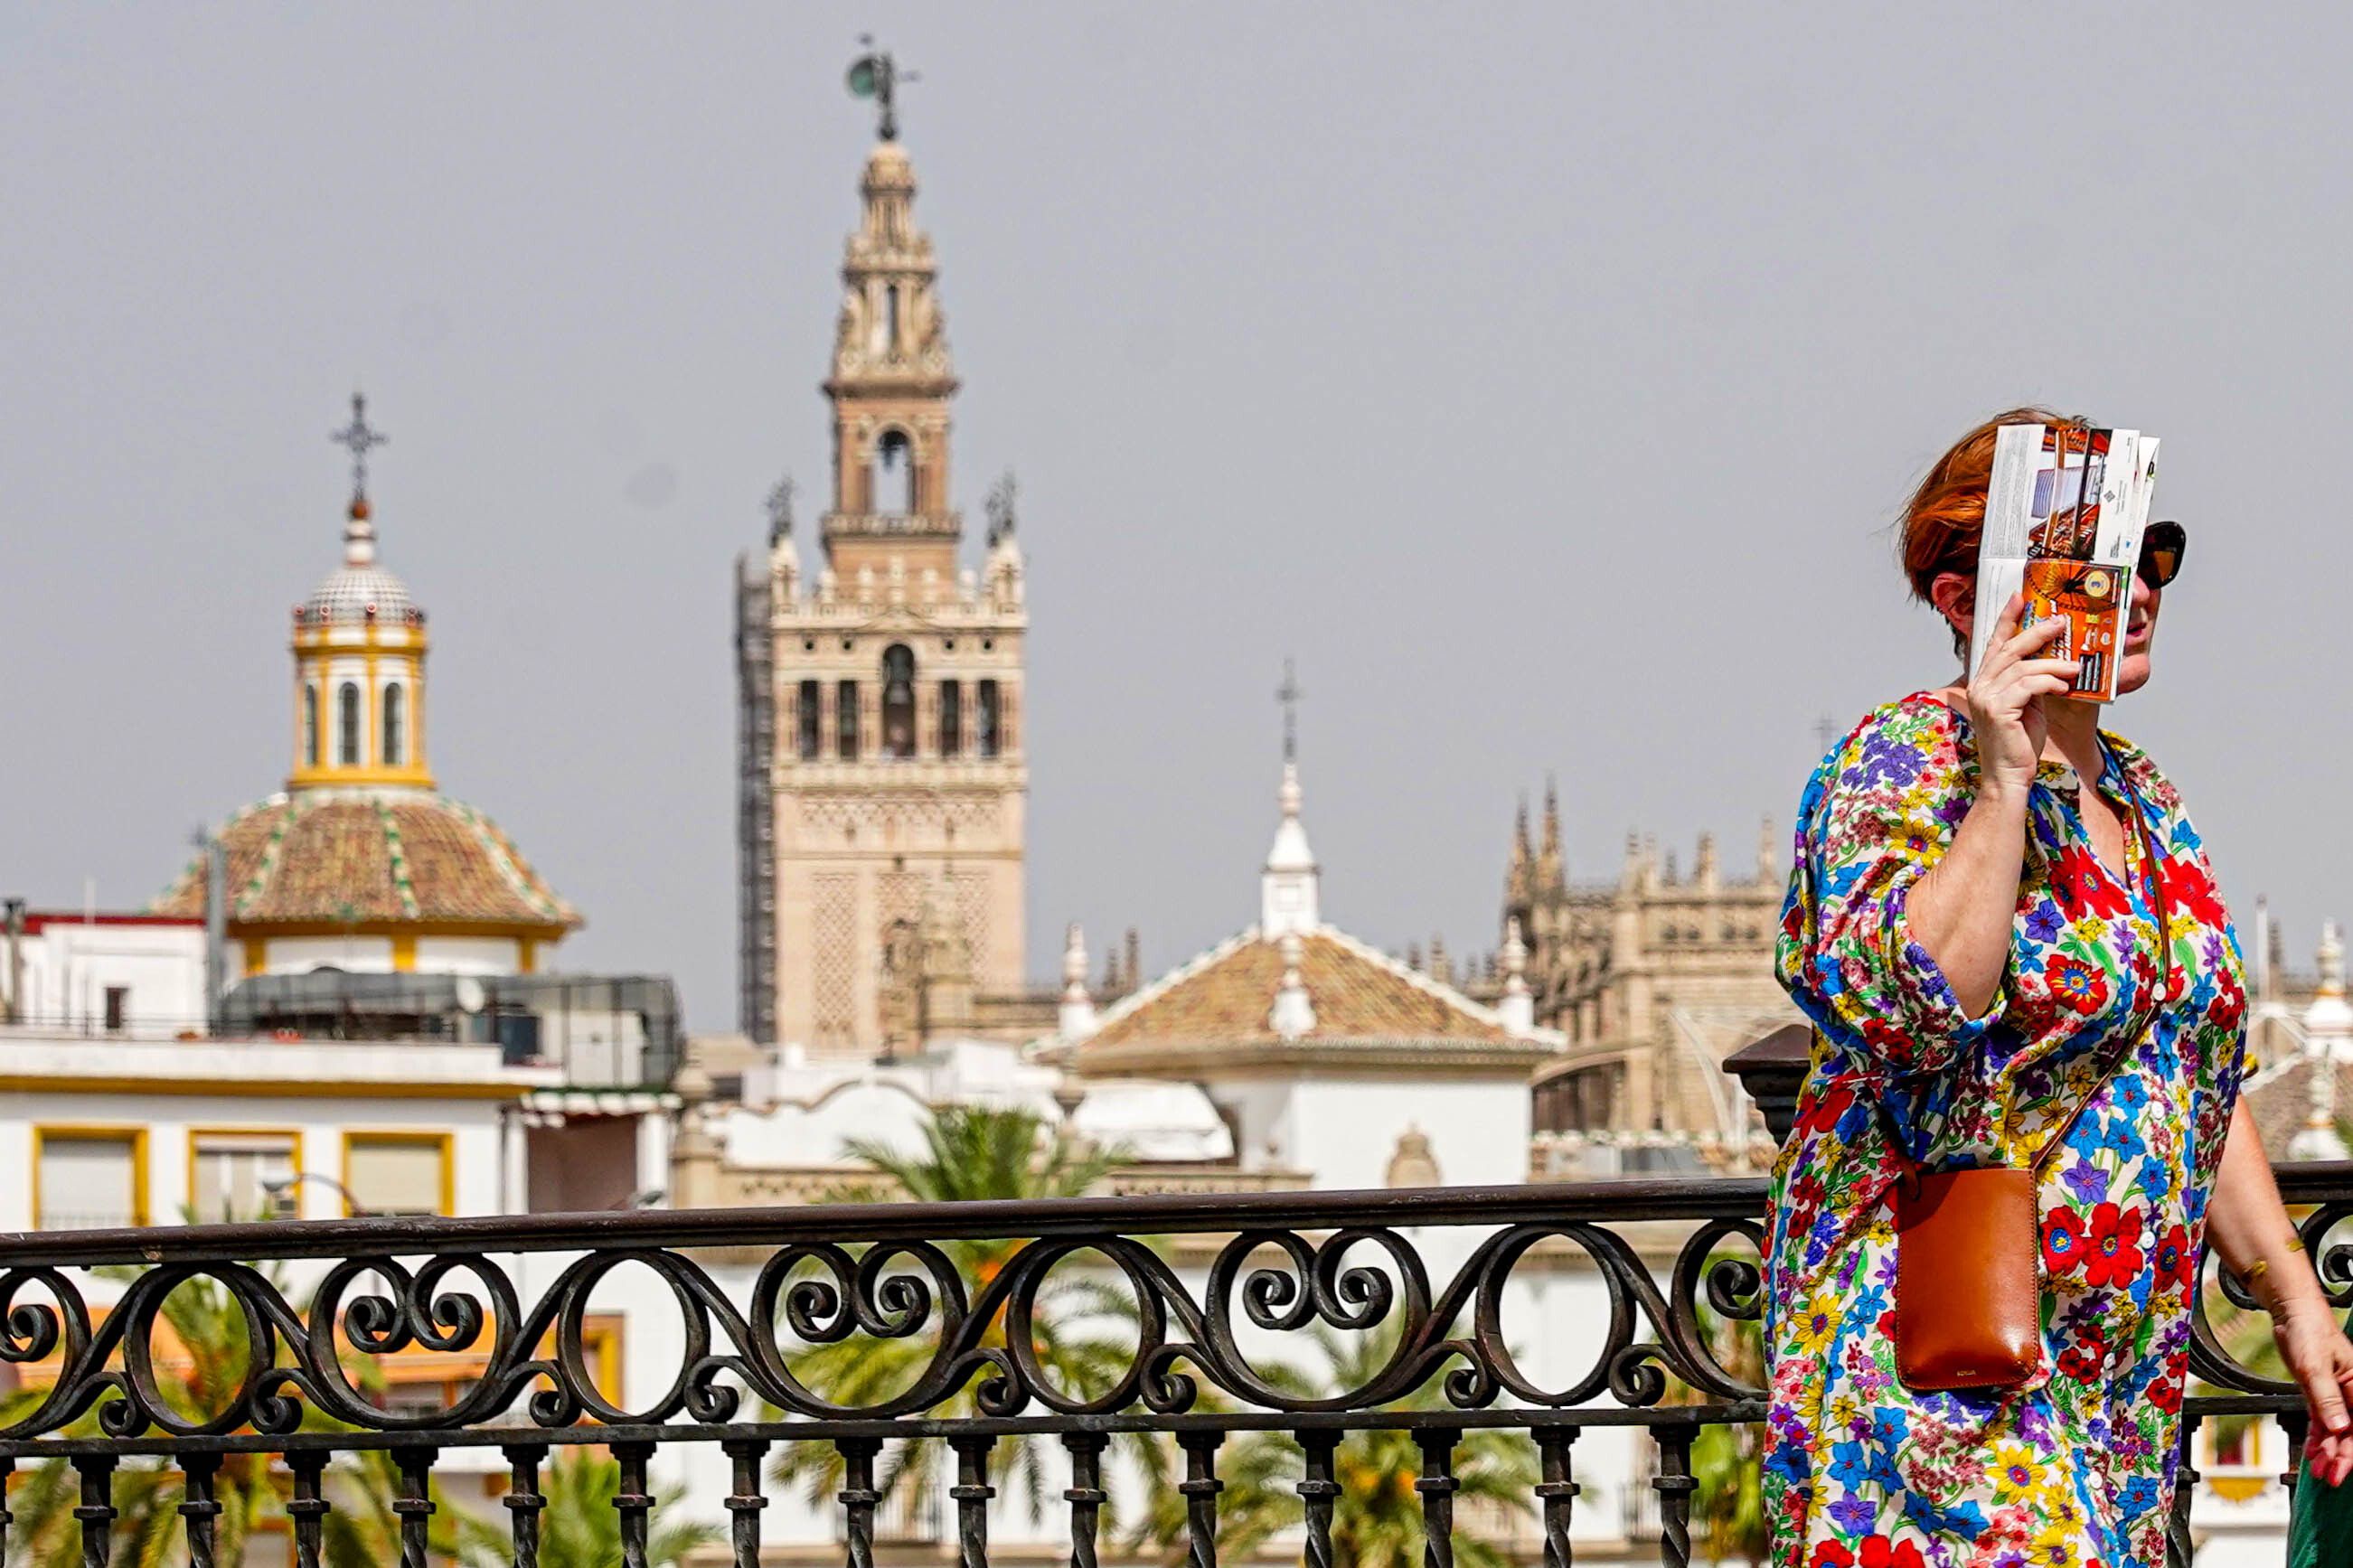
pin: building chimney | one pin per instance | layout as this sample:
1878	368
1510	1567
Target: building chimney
15	909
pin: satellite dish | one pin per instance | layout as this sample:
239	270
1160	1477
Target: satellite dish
469	993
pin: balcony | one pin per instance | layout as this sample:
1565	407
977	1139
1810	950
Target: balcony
1214	1302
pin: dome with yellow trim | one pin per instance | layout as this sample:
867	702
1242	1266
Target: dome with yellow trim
361	862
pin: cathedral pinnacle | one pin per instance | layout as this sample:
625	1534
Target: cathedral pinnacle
1551	874
1517	890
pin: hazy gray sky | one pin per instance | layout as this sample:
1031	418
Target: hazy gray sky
1542	377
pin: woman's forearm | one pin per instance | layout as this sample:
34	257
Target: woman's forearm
1961	912
2246	1223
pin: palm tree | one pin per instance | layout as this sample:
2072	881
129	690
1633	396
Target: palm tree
1377	1518
146	1493
360	1530
252	1493
971	1152
579	1527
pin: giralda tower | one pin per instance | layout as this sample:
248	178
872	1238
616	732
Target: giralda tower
887	769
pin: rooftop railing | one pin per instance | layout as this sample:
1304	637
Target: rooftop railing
1203	1305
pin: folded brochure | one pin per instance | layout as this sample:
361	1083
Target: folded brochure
2064	514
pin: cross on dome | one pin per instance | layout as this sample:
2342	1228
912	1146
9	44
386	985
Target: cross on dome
357	437
1289	694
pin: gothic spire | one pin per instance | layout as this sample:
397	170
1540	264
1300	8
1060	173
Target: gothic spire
1552	872
1517	890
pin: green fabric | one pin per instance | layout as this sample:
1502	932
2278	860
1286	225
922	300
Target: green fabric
2320	1533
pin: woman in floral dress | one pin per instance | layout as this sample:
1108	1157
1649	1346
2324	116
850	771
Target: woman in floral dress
1972	927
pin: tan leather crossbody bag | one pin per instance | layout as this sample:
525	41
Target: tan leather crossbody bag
1968	1243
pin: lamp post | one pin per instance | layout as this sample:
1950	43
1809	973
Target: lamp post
279	1186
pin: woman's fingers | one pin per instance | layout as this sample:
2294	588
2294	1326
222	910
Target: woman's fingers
2005	632
2005	625
2010	645
2324	1397
2040	633
2065	668
2330	1458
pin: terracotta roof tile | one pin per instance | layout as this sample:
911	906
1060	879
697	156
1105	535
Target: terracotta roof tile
311	857
2281	1101
1225	997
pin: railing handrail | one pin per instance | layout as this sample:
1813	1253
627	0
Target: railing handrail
1603	1201
1595	1202
1659	1310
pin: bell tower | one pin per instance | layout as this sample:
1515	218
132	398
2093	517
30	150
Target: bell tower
899	783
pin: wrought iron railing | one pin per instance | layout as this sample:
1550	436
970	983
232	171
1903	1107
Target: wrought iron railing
1215	1287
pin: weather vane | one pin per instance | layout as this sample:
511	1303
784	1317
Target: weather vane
1289	694
876	74
356	437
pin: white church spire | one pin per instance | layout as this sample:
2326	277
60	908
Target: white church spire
1287	890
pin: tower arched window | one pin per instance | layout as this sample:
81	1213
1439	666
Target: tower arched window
347	725
890	319
809	713
845	717
899	700
988	721
396	725
951	718
310	724
892	484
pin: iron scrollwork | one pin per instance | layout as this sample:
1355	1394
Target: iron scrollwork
1306	1262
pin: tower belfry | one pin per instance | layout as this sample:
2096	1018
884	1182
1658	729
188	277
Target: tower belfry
886	724
891	383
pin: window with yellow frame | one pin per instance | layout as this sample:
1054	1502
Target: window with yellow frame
244	1173
406	1171
89	1177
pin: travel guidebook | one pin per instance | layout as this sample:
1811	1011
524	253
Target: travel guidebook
2064	514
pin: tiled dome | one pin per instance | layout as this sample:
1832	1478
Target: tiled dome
359	586
348	593
326	856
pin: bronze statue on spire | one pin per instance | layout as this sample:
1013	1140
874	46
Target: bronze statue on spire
876	74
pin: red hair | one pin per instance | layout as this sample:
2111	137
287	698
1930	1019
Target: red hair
1941	524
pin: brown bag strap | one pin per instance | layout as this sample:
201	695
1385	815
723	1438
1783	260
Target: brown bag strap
2154	875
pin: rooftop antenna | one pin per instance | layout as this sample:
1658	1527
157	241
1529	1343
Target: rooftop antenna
876	74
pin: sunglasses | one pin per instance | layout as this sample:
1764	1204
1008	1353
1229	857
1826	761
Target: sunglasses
2162	545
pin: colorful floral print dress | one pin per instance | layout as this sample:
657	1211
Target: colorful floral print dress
2076	1469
